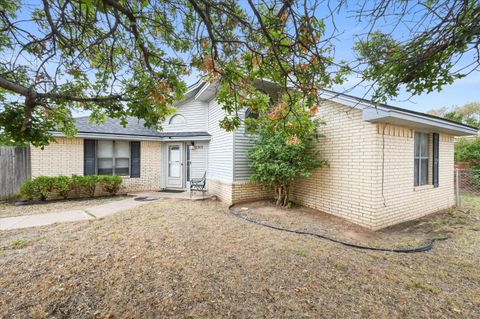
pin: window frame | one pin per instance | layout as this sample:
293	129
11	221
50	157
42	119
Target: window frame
188	156
114	158
177	116
417	179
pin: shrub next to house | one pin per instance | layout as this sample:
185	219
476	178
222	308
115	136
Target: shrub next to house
39	188
48	187
110	184
283	150
85	185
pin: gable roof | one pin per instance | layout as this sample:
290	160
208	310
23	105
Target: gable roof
371	112
399	116
205	91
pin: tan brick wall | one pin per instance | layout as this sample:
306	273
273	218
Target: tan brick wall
150	168
351	185
221	189
246	192
62	157
234	193
65	157
401	201
345	187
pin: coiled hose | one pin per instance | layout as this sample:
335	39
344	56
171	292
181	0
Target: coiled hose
418	249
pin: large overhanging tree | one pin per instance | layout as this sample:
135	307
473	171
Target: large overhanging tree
128	57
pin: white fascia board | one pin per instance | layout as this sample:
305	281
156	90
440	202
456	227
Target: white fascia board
194	86
190	93
206	93
345	100
200	92
374	113
417	121
187	138
100	136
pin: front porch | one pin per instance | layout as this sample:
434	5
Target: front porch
184	160
185	194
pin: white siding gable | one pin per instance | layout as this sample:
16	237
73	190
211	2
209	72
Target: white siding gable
220	149
199	159
195	114
241	144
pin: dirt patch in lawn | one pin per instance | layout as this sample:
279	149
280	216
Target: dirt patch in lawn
406	235
184	259
10	210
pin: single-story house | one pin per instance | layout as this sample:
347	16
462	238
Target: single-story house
386	164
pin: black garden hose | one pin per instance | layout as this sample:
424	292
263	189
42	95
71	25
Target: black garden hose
418	249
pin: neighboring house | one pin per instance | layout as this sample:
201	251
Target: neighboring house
386	164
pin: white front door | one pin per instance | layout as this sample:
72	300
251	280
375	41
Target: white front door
175	163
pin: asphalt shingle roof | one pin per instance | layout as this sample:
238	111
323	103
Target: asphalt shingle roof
134	127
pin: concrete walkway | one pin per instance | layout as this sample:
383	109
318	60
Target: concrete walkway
98	211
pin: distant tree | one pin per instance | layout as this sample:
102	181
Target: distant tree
468	150
283	151
467	114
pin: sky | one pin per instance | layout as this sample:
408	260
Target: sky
462	91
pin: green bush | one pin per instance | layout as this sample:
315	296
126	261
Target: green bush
27	190
468	150
44	187
39	188
85	184
62	185
281	154
110	184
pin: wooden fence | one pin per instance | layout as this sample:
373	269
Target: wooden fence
14	169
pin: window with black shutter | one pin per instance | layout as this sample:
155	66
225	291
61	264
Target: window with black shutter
135	159
106	157
435	166
113	158
421	159
89	157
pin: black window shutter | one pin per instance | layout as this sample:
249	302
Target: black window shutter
135	159
89	157
435	174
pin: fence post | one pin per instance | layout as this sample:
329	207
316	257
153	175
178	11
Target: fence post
457	186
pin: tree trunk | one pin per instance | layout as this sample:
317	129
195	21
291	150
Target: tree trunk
30	103
282	195
285	196
279	196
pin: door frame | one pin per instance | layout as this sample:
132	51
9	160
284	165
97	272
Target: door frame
182	166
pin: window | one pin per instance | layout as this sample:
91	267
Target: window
177	119
174	160
421	146
113	158
249	114
189	161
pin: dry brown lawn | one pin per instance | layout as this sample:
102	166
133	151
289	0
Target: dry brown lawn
9	209
173	258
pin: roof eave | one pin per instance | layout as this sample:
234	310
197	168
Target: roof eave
187	138
416	121
207	92
131	137
377	113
